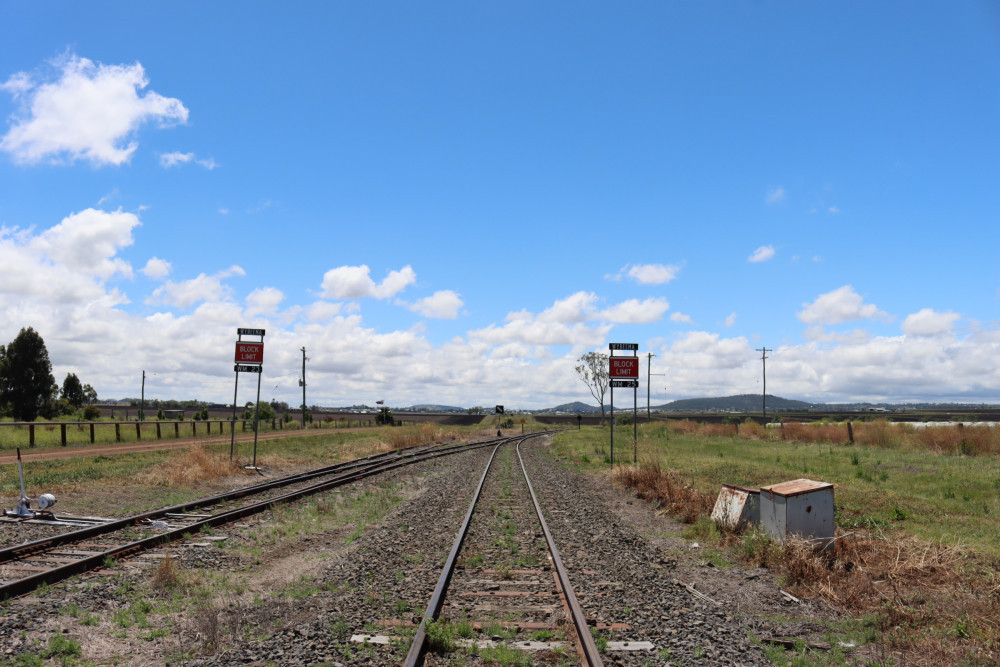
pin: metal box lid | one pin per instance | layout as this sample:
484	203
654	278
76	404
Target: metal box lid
796	487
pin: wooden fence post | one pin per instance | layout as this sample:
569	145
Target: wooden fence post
118	432
177	429
62	434
91	432
158	436
194	427
31	435
138	431
850	433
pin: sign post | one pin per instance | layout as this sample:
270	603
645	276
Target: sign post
624	372
249	359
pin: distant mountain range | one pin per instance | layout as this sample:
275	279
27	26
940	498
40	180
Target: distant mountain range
739	403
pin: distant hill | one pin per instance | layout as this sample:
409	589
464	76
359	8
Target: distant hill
571	408
738	403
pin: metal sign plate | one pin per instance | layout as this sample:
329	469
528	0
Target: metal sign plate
623	346
240	368
624	383
249	332
249	353
623	367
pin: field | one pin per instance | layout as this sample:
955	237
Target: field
918	515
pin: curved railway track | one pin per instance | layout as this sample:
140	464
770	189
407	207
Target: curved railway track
496	578
25	567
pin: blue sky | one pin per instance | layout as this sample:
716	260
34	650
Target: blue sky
452	202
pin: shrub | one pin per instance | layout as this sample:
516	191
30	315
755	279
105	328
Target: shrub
91	412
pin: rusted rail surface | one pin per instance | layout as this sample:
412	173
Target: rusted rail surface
588	651
343	473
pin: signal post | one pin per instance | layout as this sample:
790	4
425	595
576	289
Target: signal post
623	371
249	359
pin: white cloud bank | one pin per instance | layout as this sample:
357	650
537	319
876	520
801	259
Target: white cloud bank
86	111
70	283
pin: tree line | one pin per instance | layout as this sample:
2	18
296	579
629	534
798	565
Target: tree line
28	389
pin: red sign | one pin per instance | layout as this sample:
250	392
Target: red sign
249	353
623	367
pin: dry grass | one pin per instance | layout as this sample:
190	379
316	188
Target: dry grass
665	488
167	575
931	601
193	465
971	440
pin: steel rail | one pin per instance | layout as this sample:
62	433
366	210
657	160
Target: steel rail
589	646
415	655
53	575
37	546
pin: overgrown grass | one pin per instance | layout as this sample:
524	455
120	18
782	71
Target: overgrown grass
172	476
917	550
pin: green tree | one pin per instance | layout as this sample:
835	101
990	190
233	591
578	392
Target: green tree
89	394
593	371
384	416
26	382
72	390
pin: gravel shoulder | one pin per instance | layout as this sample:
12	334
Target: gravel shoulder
291	586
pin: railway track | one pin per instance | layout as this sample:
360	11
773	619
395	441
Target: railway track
503	585
25	567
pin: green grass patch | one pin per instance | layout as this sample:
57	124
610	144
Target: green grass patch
936	497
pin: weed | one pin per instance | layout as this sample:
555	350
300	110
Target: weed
504	655
440	637
600	640
167	575
340	630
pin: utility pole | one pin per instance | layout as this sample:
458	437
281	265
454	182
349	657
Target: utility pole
763	360
302	383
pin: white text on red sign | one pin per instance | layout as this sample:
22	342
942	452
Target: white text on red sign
249	353
623	367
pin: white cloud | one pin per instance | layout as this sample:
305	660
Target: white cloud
156	268
927	322
443	304
634	311
168	160
203	288
731	320
648	274
841	305
833	210
775	195
681	317
761	254
578	307
264	301
354	282
88	112
89	240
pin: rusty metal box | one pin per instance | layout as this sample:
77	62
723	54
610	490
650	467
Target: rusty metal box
800	507
737	507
